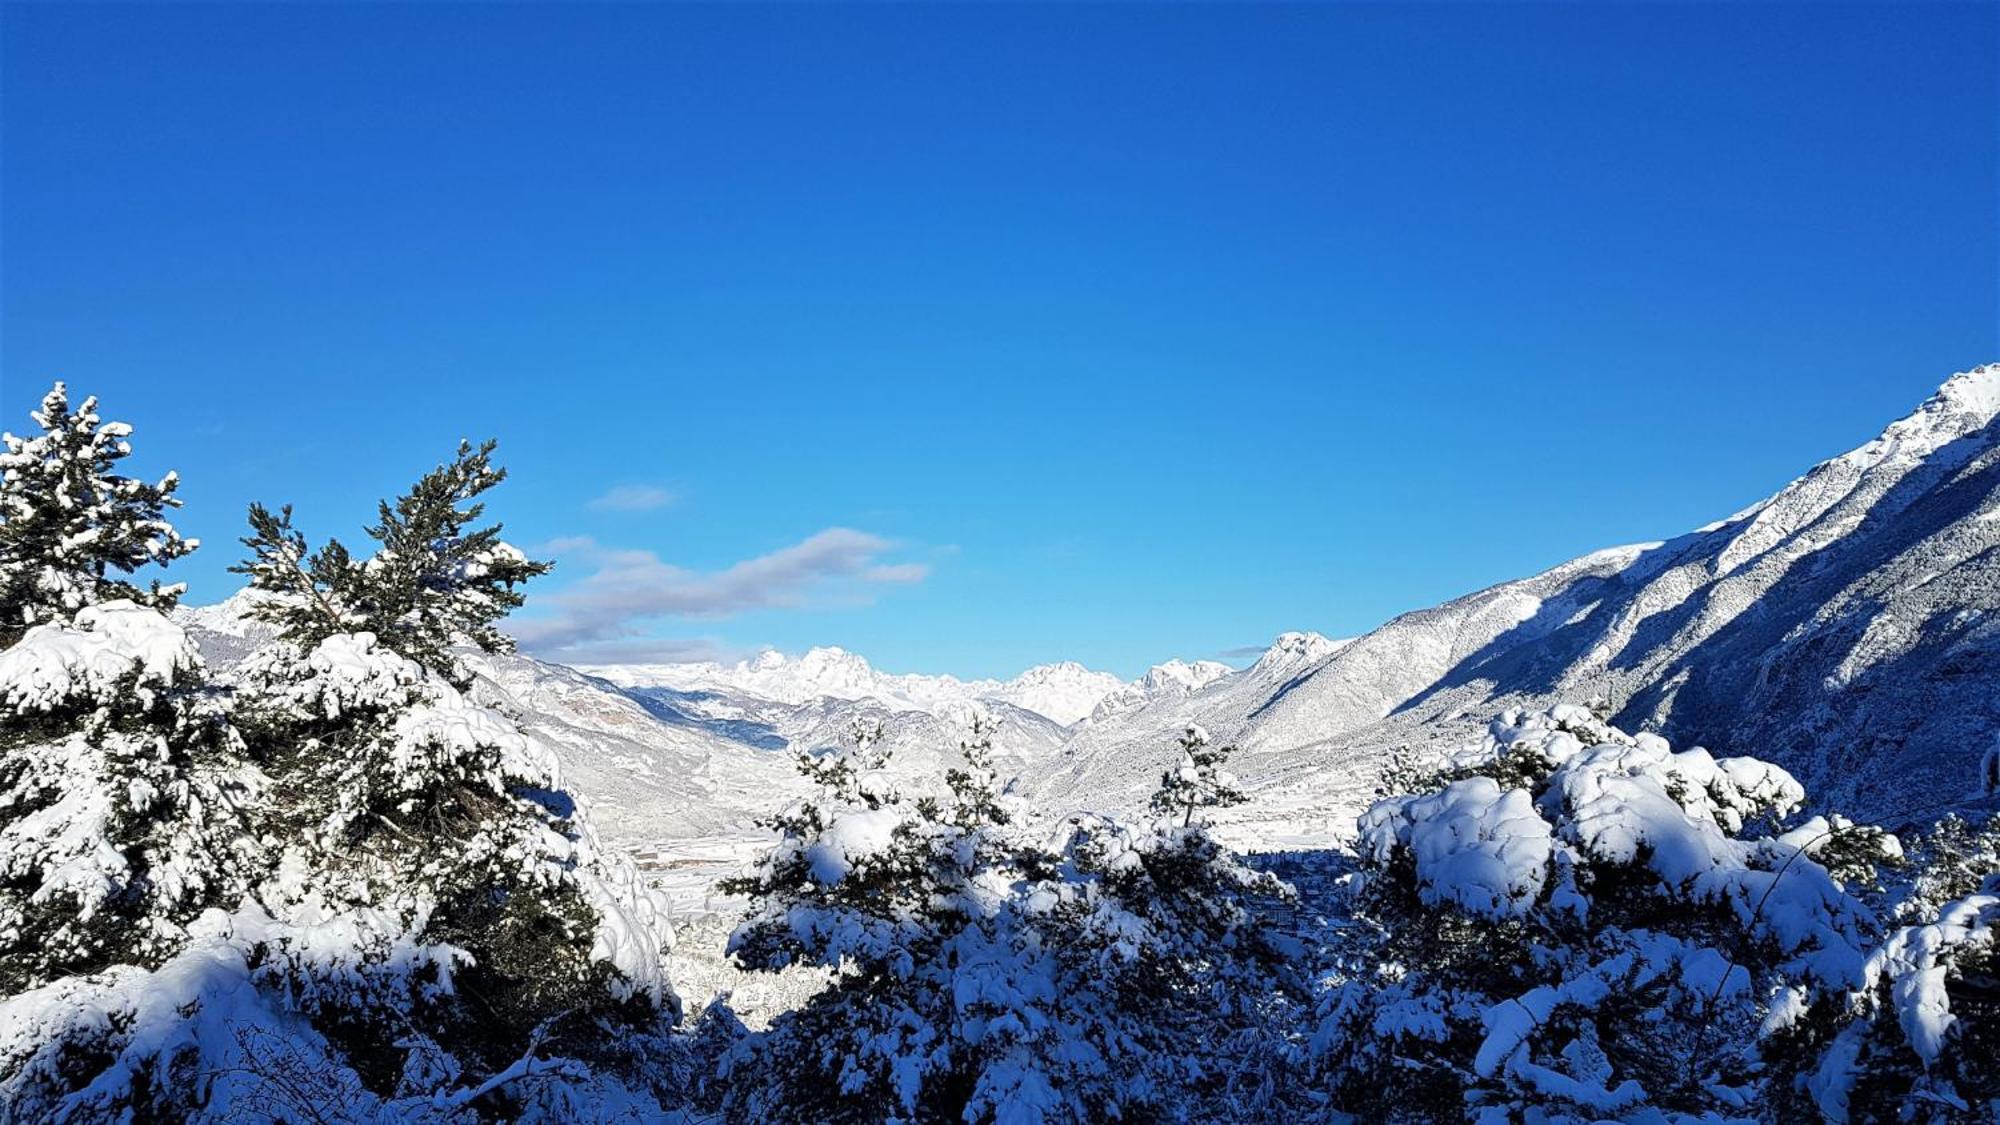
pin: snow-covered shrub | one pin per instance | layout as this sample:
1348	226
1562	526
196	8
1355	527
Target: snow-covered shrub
1173	967
70	523
1924	1044
121	783
434	936
1586	924
429	831
1950	861
982	975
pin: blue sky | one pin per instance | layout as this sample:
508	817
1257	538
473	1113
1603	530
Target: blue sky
975	337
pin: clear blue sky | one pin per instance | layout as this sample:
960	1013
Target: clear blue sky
974	337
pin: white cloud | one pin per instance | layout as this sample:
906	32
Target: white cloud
654	650
633	498
604	611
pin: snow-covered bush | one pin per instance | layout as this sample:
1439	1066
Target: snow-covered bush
400	799
981	975
473	901
1950	861
70	523
435	935
1586	924
1924	1044
121	784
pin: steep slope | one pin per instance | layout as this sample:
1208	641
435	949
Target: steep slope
1848	628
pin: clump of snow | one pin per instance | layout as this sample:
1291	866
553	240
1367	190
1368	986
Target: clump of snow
852	839
107	647
1914	961
1475	846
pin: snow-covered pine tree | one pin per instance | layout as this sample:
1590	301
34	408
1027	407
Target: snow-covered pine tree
1951	860
863	883
429	933
1198	780
983	977
120	775
121	786
1924	1045
485	920
1184	944
72	526
975	787
1174	974
434	580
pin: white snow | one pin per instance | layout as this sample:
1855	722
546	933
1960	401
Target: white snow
1064	692
1475	845
851	840
1915	961
53	665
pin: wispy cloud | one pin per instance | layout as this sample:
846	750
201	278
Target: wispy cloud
629	589
633	498
1241	652
653	650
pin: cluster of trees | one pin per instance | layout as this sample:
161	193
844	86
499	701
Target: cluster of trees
329	887
1101	970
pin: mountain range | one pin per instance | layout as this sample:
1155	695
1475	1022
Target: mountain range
1846	627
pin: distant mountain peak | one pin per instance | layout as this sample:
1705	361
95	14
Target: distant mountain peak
1976	391
1965	404
1298	649
1181	675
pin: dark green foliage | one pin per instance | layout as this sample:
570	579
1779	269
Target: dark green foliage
434	580
1198	780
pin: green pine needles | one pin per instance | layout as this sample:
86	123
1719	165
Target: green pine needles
433	582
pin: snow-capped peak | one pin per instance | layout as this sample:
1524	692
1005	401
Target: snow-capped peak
1065	691
1965	404
1181	676
1974	392
230	616
1294	651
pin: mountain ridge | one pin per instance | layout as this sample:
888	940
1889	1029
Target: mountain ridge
1847	627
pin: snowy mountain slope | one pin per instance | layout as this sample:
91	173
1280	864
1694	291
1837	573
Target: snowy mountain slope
1848	628
1113	759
